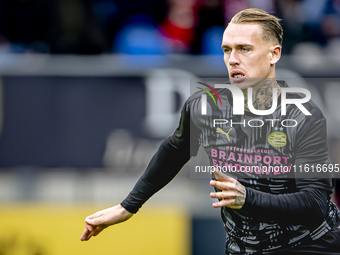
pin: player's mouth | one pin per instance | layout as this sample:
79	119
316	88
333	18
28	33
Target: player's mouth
237	76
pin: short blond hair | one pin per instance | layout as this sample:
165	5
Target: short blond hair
271	27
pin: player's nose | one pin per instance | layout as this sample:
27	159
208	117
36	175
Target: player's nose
233	58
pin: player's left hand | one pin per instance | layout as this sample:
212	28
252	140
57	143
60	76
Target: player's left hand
232	194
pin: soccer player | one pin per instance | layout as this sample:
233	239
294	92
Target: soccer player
284	212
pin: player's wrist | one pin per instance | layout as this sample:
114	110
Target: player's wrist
124	211
248	199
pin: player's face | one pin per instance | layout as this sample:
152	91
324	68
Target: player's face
249	58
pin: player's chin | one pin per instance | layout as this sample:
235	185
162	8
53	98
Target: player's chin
242	85
246	83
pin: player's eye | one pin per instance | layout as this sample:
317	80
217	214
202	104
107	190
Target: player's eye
244	49
226	50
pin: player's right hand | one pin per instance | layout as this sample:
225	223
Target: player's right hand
96	223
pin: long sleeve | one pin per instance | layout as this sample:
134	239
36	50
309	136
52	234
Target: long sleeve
308	204
171	156
163	167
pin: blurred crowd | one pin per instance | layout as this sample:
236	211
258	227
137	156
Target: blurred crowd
154	26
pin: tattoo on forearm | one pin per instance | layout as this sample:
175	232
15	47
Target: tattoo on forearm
240	196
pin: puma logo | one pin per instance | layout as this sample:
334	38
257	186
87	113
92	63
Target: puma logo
221	131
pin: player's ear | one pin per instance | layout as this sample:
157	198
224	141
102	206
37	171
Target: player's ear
275	51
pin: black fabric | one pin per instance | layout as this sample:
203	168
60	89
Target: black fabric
171	156
328	244
307	206
162	168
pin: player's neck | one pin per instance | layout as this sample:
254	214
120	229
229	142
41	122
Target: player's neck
262	95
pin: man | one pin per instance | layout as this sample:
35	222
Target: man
263	212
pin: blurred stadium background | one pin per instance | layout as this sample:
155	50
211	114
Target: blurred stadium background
89	89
